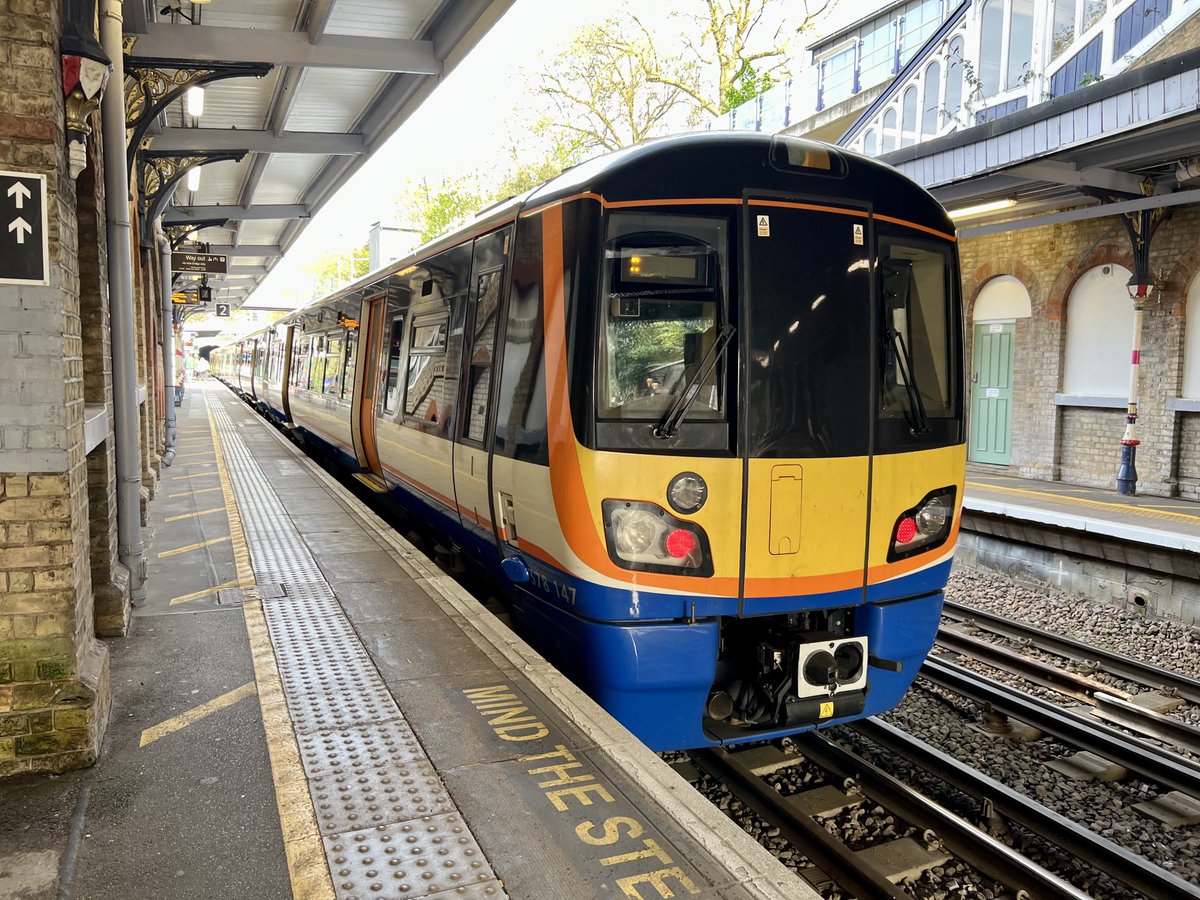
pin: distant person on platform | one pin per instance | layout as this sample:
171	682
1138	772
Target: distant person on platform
180	375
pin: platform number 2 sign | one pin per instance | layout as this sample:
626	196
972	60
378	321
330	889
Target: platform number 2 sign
223	310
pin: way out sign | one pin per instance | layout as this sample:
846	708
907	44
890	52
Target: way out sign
24	239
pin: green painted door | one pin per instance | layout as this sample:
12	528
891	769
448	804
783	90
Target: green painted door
991	393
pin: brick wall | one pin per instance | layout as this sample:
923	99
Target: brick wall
1079	444
53	672
1189	456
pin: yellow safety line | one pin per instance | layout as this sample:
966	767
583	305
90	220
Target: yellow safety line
204	453
197	475
192	515
179	550
1097	504
308	866
183	720
193	493
204	593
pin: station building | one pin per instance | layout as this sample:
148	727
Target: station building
1076	120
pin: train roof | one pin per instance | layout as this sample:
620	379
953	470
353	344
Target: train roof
711	164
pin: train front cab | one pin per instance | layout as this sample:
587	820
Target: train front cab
758	473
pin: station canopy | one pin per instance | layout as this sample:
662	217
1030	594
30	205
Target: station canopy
297	94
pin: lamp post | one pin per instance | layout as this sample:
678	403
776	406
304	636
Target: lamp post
1139	293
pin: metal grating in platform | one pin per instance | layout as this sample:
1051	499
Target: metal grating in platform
389	825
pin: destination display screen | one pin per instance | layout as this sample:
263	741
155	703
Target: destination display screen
644	267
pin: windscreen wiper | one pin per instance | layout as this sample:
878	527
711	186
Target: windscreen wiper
668	427
918	421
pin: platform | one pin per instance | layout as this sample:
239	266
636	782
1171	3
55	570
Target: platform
404	743
1159	521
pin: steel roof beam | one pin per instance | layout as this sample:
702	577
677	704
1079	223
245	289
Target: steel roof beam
182	215
1067	173
205	140
266	250
205	43
1089	212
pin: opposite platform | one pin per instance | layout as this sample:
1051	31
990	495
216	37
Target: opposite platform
417	745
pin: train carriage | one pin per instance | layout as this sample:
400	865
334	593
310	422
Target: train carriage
697	405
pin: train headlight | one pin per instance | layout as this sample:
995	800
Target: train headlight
687	493
646	538
634	531
925	526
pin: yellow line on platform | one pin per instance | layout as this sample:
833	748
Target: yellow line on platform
189	547
1145	511
308	867
193	493
204	593
192	515
197	475
183	720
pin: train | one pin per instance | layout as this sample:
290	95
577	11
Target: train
695	408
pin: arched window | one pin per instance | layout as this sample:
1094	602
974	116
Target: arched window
930	107
1191	344
1099	334
991	51
871	143
889	130
1020	42
908	117
954	78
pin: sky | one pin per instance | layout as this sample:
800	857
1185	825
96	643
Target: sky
472	113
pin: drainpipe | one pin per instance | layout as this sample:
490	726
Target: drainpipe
168	349
130	548
1127	473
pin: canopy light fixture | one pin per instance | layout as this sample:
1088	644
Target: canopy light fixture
195	101
980	208
193	178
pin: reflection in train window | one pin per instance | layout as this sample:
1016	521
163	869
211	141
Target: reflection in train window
391	387
333	366
424	386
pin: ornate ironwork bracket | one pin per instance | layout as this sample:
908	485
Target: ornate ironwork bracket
162	171
177	234
1140	225
151	85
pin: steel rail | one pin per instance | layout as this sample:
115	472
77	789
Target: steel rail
969	843
1111	705
1152	763
1078	686
1115	663
1122	864
823	850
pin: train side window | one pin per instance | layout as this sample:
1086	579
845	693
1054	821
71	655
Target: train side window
317	370
485	308
334	362
300	362
351	362
391	384
424	391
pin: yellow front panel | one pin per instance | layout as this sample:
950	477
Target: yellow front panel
901	481
628	476
806	525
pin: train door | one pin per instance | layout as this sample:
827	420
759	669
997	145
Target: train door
285	374
364	408
807	361
479	347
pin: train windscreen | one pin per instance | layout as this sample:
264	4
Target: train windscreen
663	313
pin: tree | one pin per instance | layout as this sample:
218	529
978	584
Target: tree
614	86
435	210
333	269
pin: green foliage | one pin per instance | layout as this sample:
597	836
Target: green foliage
435	210
333	269
746	85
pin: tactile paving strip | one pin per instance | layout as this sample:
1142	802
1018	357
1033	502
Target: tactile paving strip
389	825
411	859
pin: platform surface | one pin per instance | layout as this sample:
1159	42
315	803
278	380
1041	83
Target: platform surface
307	706
1169	522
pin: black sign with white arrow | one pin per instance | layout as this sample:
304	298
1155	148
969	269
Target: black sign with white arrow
24	241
